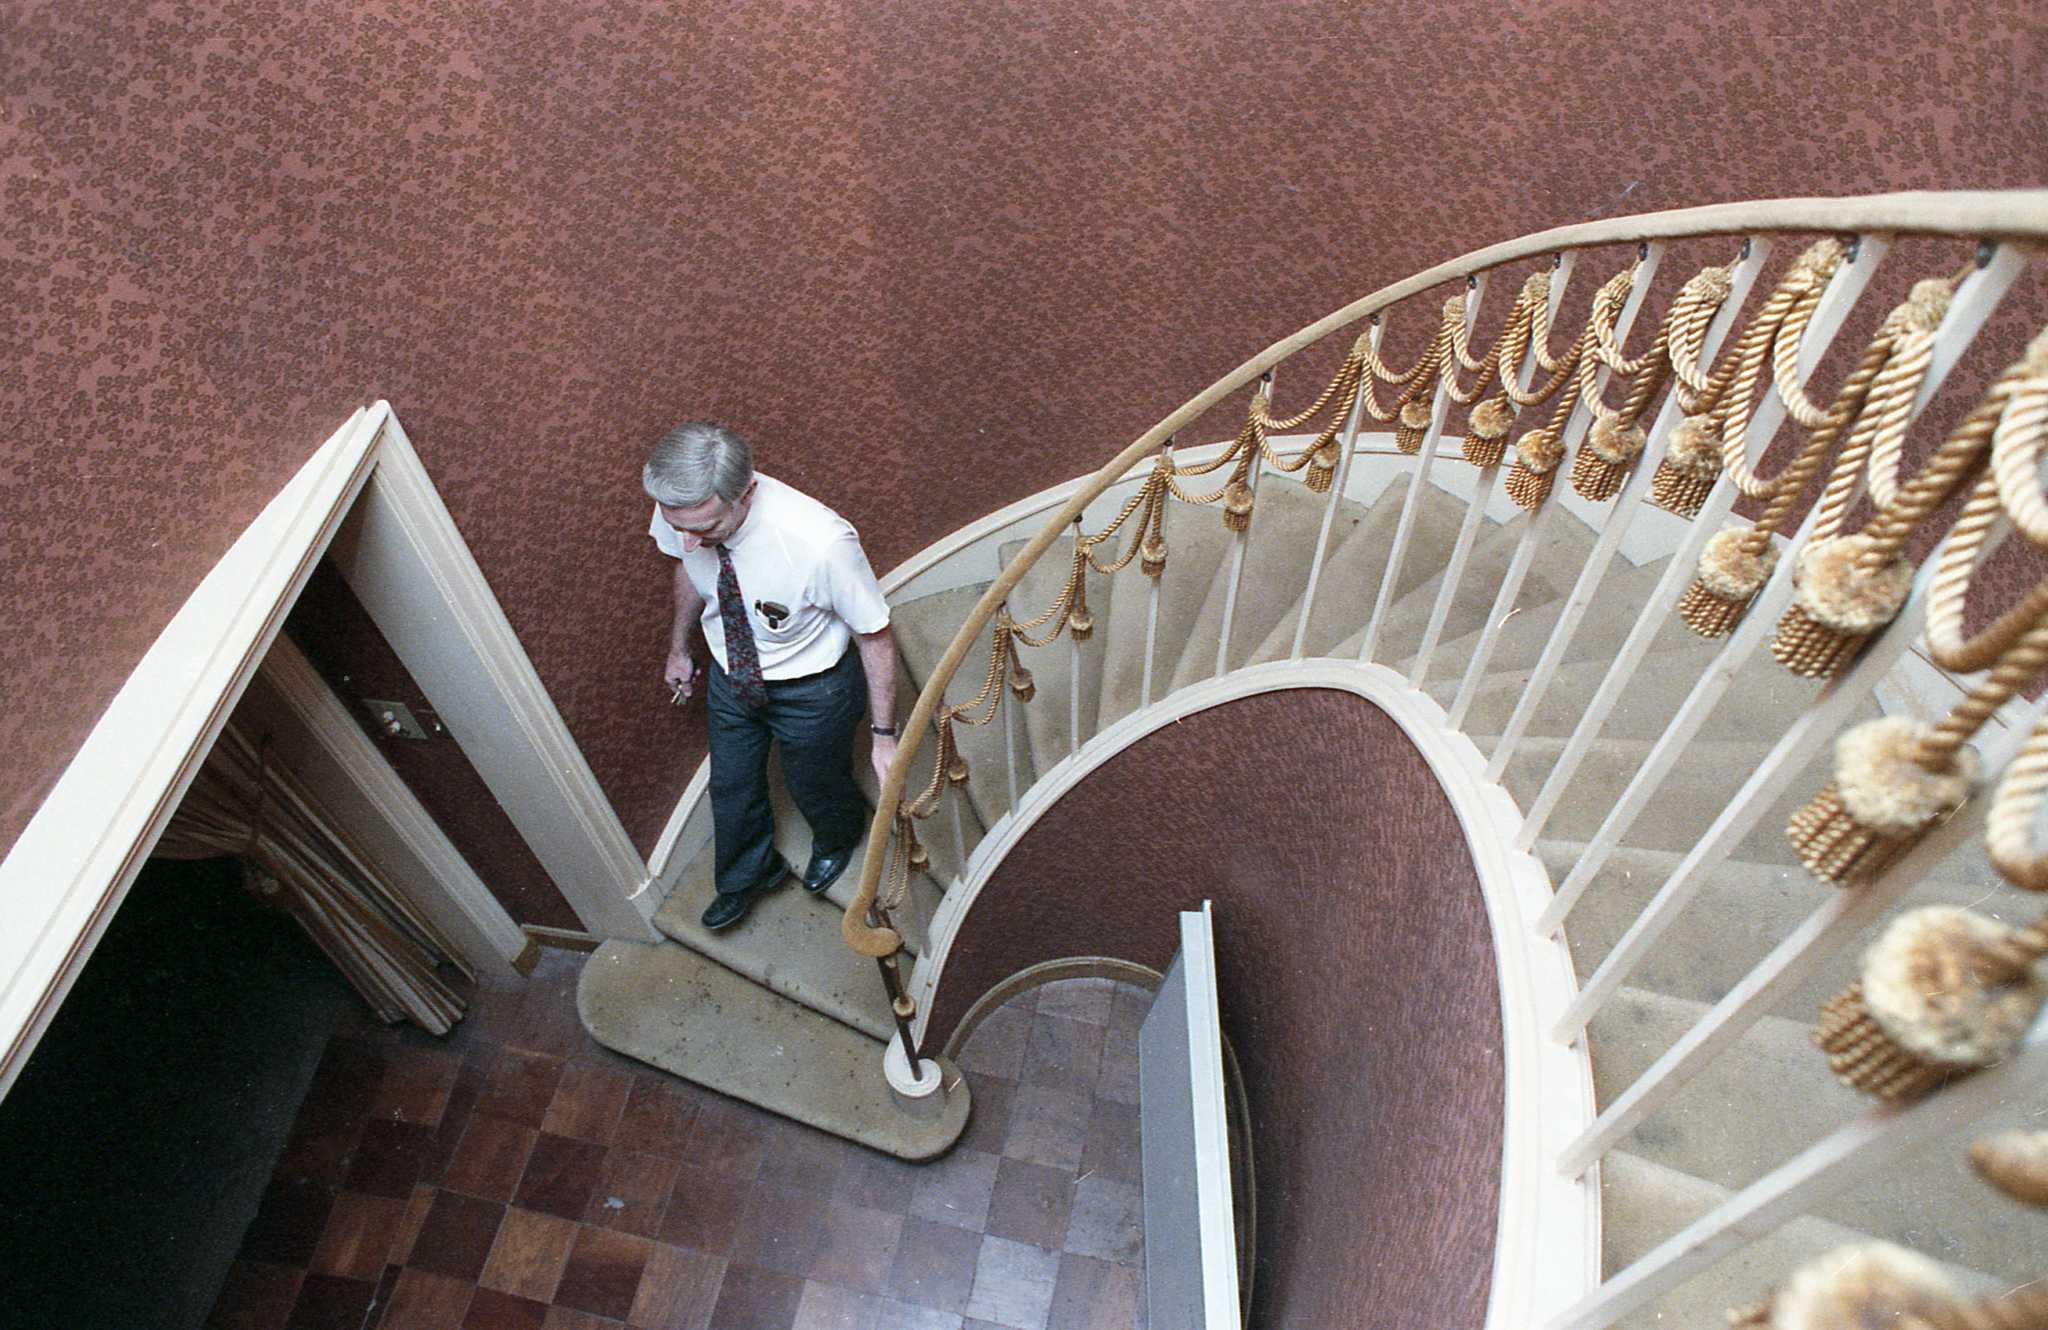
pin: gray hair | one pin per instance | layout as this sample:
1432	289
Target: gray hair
695	461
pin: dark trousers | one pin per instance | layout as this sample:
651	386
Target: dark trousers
814	719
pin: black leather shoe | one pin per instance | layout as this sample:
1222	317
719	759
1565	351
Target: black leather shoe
825	869
729	907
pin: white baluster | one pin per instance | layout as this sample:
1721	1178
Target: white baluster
1008	702
1842	914
1074	663
1815	725
1342	478
1468	530
1576	425
1836	301
1868	1145
1240	541
1152	604
1626	506
1974	300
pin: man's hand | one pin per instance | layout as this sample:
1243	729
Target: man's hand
884	755
680	676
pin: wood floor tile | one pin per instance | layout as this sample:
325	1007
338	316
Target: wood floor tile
416	1085
257	1295
389	1158
998	1045
1095	1295
633	1193
356	1243
780	1228
1117	1076
803	1158
603	1275
876	1181
751	1298
560	1176
319	1152
1107	1221
1031	1203
588	1103
988	1119
328	1303
1063	1053
457	1237
678	1289
889	1314
490	1158
1048	1126
728	1137
1013	1284
704	1210
568	1318
1113	1148
492	1310
288	1223
415	1217
934	1265
521	1086
956	1189
1089	1000
656	1119
857	1247
531	1252
830	1307
423	1301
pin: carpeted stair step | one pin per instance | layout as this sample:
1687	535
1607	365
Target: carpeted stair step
1642	1203
1743	910
1048	719
1684	806
1196	544
1277	548
789	943
1405	623
1770	1095
1356	563
924	627
688	1015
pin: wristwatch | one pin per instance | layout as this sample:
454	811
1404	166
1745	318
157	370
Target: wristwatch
889	730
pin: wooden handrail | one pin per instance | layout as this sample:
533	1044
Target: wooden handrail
2011	214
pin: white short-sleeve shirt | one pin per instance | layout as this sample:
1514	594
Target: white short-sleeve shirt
792	554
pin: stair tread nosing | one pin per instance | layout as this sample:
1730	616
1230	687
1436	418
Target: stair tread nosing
688	1015
790	943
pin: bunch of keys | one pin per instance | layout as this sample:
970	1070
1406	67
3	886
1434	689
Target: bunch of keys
682	692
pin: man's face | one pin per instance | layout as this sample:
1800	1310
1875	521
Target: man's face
711	522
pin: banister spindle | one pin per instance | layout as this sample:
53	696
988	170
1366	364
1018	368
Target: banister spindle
1152	593
1240	541
1342	478
1815	725
1074	658
1833	309
1877	1140
1839	919
1626	506
1468	530
1009	705
1532	533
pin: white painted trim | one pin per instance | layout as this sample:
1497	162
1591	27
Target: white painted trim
1547	1246
65	876
372	803
410	568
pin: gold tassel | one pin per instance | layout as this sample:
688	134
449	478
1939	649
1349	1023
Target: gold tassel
2015	1162
1081	623
1152	556
1021	685
1730	575
1690	466
1838	606
1943	992
1880	803
1322	467
1237	506
920	859
1486	432
1410	426
956	770
1604	463
1537	456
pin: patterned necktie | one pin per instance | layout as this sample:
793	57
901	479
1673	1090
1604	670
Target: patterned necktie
742	657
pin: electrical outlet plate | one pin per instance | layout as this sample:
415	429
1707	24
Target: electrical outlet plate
395	720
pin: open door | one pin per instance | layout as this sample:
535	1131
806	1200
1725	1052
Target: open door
1190	1232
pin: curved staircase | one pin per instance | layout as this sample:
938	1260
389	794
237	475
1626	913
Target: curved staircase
780	1012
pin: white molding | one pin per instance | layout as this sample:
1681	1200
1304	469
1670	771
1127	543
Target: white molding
1547	1244
65	876
373	804
409	566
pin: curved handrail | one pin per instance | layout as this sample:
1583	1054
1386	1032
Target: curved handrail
1965	214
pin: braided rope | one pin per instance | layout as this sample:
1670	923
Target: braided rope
1877	441
1937	748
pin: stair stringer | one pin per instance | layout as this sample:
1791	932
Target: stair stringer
1548	1240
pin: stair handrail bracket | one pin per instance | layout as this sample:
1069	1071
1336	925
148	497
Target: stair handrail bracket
1629	397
